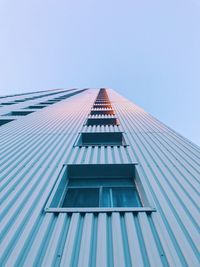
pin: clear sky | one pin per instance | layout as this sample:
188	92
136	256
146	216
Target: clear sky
147	50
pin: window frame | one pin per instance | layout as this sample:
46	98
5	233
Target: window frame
101	185
100	139
54	201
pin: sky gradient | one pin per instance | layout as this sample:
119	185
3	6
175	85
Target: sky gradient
149	51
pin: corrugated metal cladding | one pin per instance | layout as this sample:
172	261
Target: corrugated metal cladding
33	149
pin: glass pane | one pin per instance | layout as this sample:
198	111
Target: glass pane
106	197
125	197
81	197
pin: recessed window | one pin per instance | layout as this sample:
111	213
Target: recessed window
20	100
102	106
53	101
102	112
101	138
2	122
18	113
46	103
8	103
102	121
102	102
35	107
97	187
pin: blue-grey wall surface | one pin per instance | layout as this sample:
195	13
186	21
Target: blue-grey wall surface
33	149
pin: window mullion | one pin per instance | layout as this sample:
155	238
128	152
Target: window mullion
100	195
111	197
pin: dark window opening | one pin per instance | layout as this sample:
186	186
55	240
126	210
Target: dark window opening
2	122
8	103
20	100
102	121
101	138
102	112
102	106
19	113
46	103
35	107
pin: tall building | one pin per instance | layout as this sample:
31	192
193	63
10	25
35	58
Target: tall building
90	179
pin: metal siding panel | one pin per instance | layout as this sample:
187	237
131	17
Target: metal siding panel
118	252
85	248
102	246
70	244
134	245
53	253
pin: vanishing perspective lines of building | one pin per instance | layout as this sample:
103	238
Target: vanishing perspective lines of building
90	179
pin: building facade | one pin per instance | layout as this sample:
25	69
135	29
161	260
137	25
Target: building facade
90	179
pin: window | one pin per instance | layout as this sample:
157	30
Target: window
81	197
104	102
52	101
101	138
102	106
18	113
20	100
46	103
56	100
35	107
97	188
2	122
99	193
101	111
102	121
8	103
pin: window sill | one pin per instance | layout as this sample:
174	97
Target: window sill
98	210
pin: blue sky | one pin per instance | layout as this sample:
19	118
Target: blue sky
149	51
